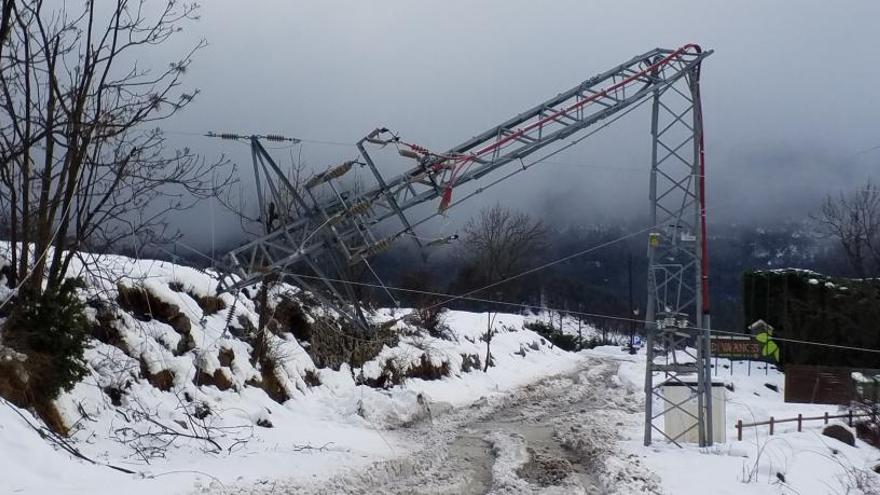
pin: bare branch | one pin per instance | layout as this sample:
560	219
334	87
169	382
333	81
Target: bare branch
82	165
854	221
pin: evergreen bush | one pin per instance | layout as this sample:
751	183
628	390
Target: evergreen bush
561	340
52	330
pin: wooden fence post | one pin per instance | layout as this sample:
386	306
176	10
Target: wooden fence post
849	415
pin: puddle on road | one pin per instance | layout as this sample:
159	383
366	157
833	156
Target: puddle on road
474	455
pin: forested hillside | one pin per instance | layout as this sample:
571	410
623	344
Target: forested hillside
598	281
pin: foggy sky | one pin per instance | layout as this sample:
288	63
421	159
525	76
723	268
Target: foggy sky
789	97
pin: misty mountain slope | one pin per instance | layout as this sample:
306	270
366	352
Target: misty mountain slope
598	281
180	389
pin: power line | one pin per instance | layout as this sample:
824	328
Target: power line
542	160
583	313
867	150
526	272
799	341
548	264
304	140
468	296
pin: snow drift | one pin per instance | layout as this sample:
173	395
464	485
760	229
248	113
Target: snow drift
181	387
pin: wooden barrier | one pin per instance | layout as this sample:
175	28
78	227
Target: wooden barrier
799	419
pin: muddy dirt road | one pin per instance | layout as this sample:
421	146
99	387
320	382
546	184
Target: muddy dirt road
557	436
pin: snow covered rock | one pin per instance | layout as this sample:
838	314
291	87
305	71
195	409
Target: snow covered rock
840	433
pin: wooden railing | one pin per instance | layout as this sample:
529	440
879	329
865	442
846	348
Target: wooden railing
799	419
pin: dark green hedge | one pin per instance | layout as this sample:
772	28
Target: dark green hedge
809	306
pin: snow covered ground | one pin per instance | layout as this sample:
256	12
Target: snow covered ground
156	382
152	375
808	462
590	412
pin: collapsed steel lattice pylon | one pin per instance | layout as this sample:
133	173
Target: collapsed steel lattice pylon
333	227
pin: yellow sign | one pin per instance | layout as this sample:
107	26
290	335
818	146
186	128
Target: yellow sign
765	337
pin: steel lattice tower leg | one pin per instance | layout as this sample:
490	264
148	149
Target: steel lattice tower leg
677	306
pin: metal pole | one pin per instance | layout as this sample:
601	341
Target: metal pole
649	386
632	323
707	363
702	429
650	315
701	295
580	335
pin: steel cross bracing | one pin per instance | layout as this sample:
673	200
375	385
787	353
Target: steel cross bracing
678	297
321	226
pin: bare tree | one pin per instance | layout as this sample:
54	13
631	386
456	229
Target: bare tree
854	221
499	243
5	21
82	164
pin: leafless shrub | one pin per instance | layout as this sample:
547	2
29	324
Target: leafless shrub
498	244
150	439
